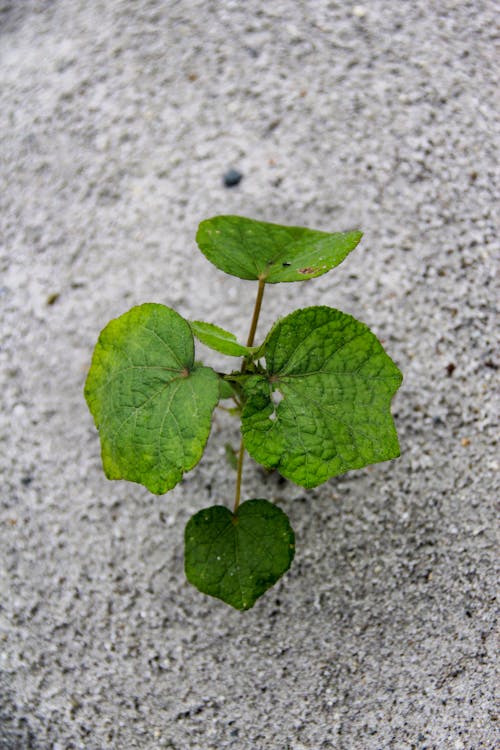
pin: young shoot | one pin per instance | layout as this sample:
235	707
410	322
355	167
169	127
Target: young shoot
313	398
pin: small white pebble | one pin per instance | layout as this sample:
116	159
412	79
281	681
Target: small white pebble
359	11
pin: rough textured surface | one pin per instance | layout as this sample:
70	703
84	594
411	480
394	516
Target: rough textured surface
118	121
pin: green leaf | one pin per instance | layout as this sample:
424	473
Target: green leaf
253	249
324	405
237	557
151	403
218	339
225	389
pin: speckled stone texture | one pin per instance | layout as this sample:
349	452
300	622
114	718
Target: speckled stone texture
118	122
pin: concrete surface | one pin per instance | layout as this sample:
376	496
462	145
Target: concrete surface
118	121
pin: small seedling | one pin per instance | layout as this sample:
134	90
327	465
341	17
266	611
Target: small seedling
313	398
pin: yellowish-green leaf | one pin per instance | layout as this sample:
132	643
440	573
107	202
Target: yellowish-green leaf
151	403
219	339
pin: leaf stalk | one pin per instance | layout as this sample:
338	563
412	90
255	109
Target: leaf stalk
256	313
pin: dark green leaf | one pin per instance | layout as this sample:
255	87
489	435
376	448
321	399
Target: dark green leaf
253	249
218	339
236	558
151	404
324	405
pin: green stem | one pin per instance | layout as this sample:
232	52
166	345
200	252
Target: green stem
237	494
237	402
256	312
251	337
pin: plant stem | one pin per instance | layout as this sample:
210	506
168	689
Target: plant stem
251	337
237	493
256	312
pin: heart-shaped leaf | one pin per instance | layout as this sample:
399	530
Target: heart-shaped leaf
237	557
151	404
219	339
323	407
253	249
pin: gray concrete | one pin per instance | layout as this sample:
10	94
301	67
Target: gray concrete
118	120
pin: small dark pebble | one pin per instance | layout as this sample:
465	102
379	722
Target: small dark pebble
252	52
273	125
232	178
26	481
